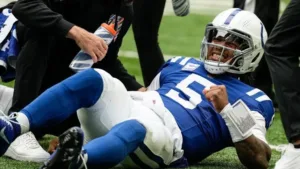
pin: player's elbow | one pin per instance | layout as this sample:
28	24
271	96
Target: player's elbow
261	162
258	161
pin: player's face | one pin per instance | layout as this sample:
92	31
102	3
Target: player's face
218	53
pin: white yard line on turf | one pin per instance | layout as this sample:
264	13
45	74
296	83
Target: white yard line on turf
133	54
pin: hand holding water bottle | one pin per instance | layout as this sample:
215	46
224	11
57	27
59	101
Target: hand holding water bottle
107	32
90	43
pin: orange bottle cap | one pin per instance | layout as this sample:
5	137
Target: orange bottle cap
110	28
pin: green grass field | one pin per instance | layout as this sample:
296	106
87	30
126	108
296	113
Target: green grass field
178	36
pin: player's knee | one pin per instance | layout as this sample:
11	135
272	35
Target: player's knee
110	83
85	86
107	78
131	132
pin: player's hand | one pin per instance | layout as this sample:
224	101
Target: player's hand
217	95
53	145
89	43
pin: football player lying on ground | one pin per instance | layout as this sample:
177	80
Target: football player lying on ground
191	110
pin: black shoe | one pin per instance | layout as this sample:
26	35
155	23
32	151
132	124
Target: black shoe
68	151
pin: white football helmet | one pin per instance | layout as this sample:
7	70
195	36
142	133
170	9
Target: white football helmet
241	35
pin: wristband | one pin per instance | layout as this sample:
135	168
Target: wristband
239	120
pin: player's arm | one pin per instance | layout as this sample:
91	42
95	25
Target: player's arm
252	148
246	132
253	153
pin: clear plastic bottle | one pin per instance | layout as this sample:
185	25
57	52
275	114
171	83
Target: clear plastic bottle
107	32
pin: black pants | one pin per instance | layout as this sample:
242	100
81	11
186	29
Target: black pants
146	22
44	61
283	58
267	11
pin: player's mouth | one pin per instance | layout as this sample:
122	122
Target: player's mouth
215	56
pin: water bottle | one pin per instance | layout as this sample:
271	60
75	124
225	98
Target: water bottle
108	32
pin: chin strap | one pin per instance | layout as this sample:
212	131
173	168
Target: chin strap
214	67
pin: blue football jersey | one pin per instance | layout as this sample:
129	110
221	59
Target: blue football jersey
9	47
204	131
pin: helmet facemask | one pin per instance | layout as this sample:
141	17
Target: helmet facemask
224	50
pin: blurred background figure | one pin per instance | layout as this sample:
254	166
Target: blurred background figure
283	58
268	12
25	147
146	22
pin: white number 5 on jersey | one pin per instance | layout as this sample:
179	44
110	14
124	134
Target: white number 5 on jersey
194	97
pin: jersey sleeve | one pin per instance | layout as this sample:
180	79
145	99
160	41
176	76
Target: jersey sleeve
259	130
258	101
177	61
155	84
261	109
171	65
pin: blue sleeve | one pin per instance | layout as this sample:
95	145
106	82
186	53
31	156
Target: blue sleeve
173	64
268	112
179	61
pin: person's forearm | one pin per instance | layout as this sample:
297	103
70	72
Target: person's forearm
74	33
253	153
36	14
